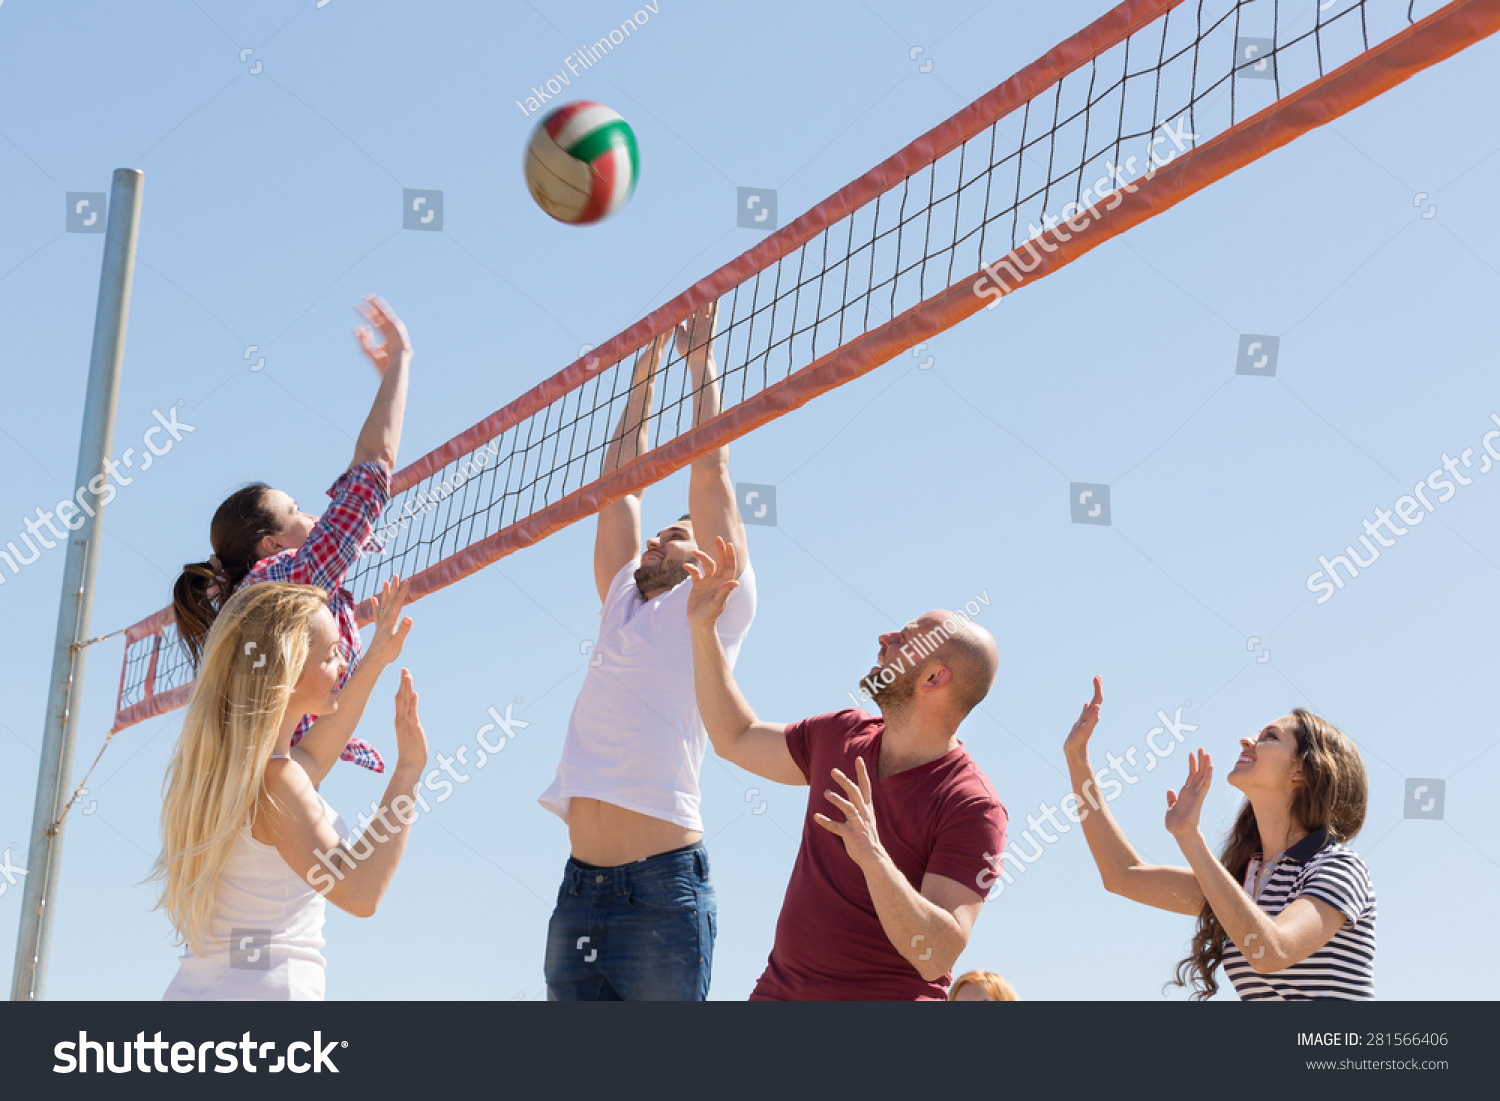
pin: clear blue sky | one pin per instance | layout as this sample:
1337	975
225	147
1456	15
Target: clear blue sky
271	206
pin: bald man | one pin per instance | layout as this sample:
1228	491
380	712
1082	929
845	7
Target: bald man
901	824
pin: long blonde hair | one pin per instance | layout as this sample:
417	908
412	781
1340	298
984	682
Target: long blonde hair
252	659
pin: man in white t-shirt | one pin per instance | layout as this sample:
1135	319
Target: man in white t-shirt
636	914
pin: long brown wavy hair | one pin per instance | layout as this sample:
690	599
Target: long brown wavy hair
1331	794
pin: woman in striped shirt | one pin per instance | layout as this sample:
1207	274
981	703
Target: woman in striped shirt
1287	908
259	534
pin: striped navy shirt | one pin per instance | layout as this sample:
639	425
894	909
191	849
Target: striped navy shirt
1322	868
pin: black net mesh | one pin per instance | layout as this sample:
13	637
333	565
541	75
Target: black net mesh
1186	77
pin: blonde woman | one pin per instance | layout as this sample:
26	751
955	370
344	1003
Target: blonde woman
246	838
1286	908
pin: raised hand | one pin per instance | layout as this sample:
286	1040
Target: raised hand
397	343
713	581
390	628
1183	807
649	359
695	334
411	739
858	830
1077	741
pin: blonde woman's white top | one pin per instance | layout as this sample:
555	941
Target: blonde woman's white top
268	925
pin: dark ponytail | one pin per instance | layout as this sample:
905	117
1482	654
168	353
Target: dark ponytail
203	588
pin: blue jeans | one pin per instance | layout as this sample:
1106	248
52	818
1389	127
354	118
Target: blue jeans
636	932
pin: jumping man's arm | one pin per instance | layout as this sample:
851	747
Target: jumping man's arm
711	499
618	539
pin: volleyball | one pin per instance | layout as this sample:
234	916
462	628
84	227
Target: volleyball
582	163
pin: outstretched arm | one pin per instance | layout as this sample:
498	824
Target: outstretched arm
711	499
381	434
324	741
1120	866
618	538
291	818
738	736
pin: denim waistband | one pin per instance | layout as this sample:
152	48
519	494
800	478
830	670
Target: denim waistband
617	878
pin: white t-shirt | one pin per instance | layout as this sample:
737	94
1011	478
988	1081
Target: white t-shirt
635	738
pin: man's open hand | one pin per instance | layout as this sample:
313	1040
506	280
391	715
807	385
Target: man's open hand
858	830
713	581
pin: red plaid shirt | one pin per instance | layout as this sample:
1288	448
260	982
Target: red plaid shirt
332	547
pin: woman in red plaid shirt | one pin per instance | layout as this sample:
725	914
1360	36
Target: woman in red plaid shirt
259	533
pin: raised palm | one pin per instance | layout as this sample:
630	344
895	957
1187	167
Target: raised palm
1185	806
391	330
1077	740
695	334
713	581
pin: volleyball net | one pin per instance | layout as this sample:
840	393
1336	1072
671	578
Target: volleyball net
1149	104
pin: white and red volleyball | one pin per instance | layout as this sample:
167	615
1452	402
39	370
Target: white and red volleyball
582	163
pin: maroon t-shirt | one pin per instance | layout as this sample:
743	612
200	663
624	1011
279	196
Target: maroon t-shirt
942	817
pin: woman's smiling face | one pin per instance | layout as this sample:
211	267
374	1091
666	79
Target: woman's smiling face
1268	762
317	689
